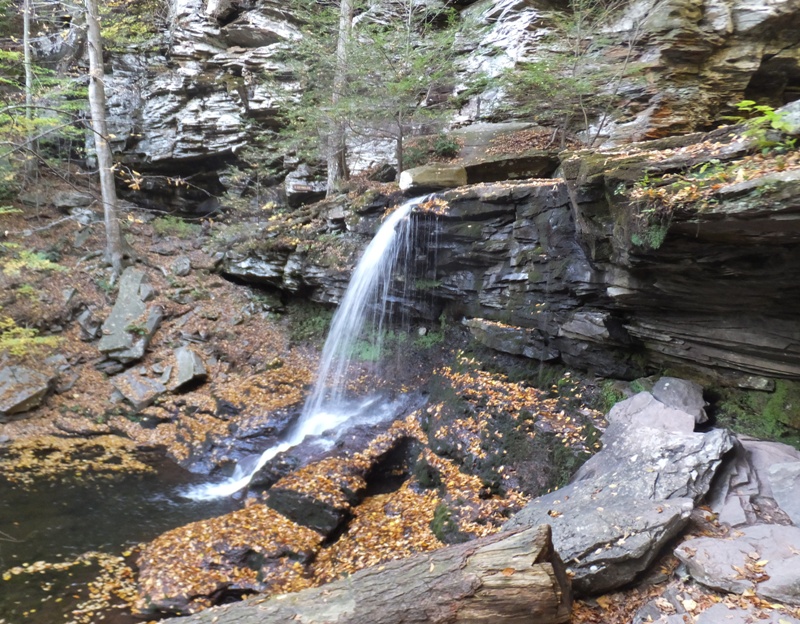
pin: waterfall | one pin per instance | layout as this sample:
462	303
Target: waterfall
361	315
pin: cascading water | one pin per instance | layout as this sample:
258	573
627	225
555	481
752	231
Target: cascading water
361	315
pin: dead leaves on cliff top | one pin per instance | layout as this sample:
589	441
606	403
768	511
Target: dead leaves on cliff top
531	139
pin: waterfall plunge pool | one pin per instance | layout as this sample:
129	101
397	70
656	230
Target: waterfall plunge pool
57	522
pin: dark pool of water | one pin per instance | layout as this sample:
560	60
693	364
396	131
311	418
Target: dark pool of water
55	522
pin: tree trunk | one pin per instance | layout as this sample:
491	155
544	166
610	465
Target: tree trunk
337	148
30	143
506	578
97	106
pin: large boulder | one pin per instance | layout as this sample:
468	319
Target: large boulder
139	389
683	395
132	323
492	152
189	368
756	484
632	497
192	567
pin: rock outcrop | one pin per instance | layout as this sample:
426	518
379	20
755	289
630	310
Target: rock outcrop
193	101
763	558
576	270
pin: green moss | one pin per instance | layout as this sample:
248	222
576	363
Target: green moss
309	322
175	226
426	475
609	396
445	528
22	341
771	416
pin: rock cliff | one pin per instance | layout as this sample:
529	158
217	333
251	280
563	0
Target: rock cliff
592	270
187	103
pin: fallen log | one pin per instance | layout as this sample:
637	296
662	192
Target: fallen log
506	578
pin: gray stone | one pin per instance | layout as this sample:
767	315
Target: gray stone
433	177
189	367
784	480
683	395
605	540
627	501
22	389
658	464
762	455
181	266
34	197
644	410
721	613
139	390
129	328
764	558
790	117
665	609
88	324
66	200
304	186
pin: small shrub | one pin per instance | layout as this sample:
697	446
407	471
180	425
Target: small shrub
433	338
31	261
609	396
763	118
446	146
309	322
20	341
421	150
427	284
29	292
767	415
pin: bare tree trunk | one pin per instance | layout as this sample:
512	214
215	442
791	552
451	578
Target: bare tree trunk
97	105
506	578
337	147
30	143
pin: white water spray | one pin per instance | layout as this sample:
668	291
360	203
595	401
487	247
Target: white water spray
326	409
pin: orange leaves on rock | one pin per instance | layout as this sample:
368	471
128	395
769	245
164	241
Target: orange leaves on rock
384	528
203	557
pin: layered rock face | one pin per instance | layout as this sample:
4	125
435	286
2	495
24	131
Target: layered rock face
575	270
186	109
189	105
682	63
550	278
